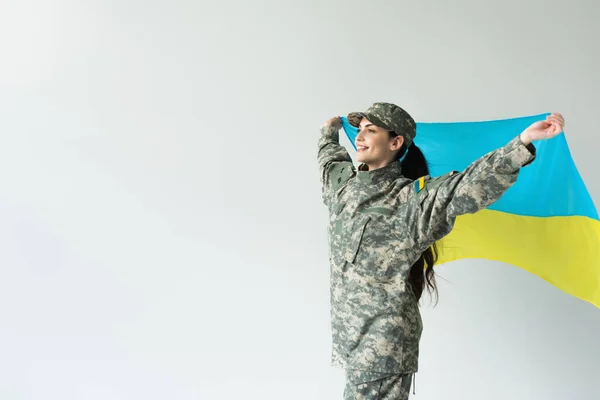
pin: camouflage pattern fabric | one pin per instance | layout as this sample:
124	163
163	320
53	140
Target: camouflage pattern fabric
388	116
379	224
367	386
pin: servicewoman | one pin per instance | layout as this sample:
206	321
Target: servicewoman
384	220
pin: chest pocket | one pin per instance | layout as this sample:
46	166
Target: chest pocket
353	236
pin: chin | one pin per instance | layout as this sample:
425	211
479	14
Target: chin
360	157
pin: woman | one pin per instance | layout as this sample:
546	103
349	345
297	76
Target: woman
384	220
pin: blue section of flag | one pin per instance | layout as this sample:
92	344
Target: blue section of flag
550	186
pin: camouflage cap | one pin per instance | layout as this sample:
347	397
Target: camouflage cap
388	116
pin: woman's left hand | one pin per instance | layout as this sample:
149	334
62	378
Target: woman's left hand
540	130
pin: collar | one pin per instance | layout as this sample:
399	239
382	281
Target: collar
386	174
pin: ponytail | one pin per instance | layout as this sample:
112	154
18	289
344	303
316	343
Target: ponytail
414	165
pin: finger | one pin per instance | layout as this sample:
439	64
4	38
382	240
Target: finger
556	127
559	117
560	123
553	120
556	120
556	116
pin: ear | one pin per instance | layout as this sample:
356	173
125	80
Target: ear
396	143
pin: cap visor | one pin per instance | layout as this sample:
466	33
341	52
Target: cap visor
355	117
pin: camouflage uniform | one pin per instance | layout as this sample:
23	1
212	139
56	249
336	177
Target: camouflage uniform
367	385
380	223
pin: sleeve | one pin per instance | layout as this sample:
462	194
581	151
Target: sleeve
335	164
442	199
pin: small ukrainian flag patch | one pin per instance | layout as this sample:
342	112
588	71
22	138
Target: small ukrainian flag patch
419	184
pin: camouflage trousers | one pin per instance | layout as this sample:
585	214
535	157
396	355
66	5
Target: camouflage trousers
364	385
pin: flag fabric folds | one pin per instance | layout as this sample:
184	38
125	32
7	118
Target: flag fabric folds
546	223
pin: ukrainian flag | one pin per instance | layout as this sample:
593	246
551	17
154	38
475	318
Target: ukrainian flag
546	223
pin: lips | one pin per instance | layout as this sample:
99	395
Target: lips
361	148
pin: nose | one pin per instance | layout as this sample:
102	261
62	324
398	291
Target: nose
360	136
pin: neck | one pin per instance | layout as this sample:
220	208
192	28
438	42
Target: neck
381	175
374	166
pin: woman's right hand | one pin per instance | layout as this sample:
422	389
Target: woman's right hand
335	122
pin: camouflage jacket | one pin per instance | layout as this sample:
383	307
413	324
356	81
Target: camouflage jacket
379	224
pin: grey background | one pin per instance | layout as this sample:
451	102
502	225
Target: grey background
162	235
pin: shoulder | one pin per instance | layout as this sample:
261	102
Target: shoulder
341	173
427	184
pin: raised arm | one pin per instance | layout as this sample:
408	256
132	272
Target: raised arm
443	199
335	164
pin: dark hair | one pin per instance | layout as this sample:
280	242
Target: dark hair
414	166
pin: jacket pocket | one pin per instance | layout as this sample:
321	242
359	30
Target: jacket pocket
355	237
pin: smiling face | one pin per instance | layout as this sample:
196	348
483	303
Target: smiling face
375	147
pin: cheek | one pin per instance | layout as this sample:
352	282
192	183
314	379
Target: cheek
377	146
